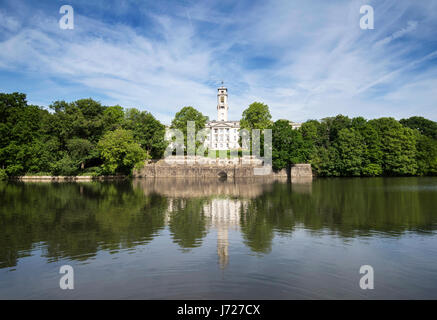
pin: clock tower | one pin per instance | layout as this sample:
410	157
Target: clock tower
222	104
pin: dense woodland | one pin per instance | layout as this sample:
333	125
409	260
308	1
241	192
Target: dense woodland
86	138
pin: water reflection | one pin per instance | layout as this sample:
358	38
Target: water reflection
77	220
224	214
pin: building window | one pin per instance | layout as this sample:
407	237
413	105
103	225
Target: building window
222	99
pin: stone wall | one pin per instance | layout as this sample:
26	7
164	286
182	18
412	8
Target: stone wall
301	170
162	169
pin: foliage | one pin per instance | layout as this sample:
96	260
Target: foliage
426	155
350	148
339	146
426	127
63	140
189	114
65	166
84	137
398	147
288	145
120	152
256	116
148	131
3	175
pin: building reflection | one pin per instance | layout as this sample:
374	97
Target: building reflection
220	214
221	204
223	215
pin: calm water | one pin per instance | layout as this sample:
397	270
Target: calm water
210	239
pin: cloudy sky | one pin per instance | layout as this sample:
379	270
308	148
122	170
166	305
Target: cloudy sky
306	59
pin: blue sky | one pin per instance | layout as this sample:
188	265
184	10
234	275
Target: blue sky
306	59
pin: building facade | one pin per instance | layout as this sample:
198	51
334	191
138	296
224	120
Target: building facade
223	134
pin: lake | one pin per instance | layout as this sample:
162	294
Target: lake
215	239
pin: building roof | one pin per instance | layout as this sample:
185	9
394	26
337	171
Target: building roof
223	124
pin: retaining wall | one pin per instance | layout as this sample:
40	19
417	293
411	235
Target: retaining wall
162	170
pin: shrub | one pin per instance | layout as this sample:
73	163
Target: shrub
3	175
92	171
64	167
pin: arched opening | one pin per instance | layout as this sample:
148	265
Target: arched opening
223	175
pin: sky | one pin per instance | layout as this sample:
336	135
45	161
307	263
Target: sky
306	59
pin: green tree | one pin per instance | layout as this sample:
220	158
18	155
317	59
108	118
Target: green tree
350	147
372	162
3	175
425	126
398	146
79	119
20	125
426	155
335	124
147	130
256	116
120	152
113	118
189	114
288	146
80	151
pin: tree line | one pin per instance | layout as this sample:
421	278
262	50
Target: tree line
341	146
86	138
80	137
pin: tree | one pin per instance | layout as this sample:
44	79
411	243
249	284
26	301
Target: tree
147	130
398	147
79	119
189	114
425	126
350	147
20	125
256	116
372	156
80	151
113	118
120	152
335	124
426	155
288	145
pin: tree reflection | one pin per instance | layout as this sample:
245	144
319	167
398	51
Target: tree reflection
187	221
76	220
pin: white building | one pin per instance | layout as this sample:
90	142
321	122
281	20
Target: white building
223	134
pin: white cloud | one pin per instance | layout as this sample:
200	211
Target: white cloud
412	25
8	23
322	62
